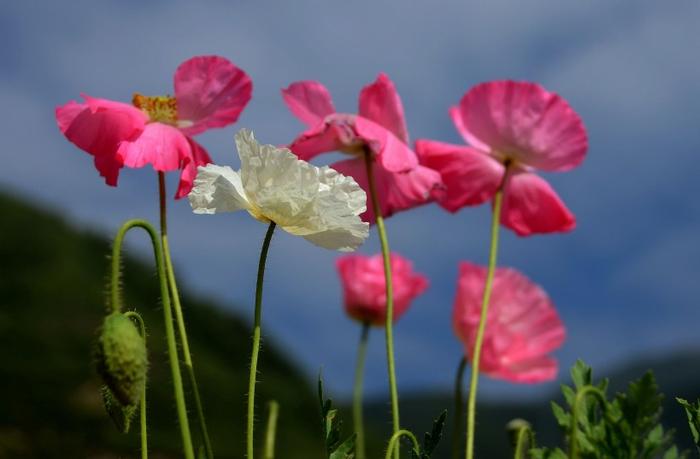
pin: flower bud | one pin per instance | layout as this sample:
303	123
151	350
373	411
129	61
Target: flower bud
514	427
121	358
120	414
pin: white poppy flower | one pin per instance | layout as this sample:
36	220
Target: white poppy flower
273	185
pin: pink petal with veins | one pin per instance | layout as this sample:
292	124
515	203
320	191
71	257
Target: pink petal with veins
522	324
162	146
381	103
364	286
530	205
309	101
523	121
397	191
198	157
211	92
98	127
393	153
470	175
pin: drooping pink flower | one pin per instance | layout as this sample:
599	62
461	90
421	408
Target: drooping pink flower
522	325
364	286
379	127
518	124
210	92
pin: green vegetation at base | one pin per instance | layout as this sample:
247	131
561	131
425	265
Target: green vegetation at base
677	374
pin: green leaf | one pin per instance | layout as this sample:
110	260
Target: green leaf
121	415
331	426
672	453
563	418
345	450
569	394
626	427
432	438
693	413
581	374
548	453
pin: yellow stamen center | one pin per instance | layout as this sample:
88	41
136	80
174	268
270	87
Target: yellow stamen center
162	109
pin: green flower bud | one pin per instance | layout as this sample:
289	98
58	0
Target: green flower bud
121	358
120	414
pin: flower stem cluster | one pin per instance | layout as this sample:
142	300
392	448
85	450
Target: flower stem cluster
507	324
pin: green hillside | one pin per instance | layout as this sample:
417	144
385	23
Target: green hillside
52	293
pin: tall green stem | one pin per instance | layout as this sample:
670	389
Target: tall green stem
493	252
179	317
581	395
394	441
271	431
142	403
357	393
168	319
256	340
524	441
389	322
458	410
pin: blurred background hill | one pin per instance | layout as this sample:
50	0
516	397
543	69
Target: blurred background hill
52	302
52	289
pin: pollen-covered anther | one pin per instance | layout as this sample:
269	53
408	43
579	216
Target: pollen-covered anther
162	109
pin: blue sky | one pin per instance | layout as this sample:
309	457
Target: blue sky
625	281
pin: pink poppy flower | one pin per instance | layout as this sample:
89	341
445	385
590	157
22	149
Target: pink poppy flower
364	286
379	127
210	92
518	124
522	325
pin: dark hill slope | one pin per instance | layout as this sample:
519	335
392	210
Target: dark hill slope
52	293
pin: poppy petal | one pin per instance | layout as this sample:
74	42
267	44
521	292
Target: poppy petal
211	92
530	206
309	101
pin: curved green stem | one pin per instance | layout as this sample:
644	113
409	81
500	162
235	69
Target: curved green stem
459	409
142	406
271	431
580	396
179	317
256	340
524	437
493	253
357	393
168	319
394	442
388	325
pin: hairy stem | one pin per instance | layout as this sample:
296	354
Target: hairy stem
474	379
580	397
271	431
394	441
168	319
256	341
179	317
389	322
525	437
357	393
142	404
459	409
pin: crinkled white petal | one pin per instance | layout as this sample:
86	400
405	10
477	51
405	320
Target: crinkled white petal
217	189
319	204
279	184
337	224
